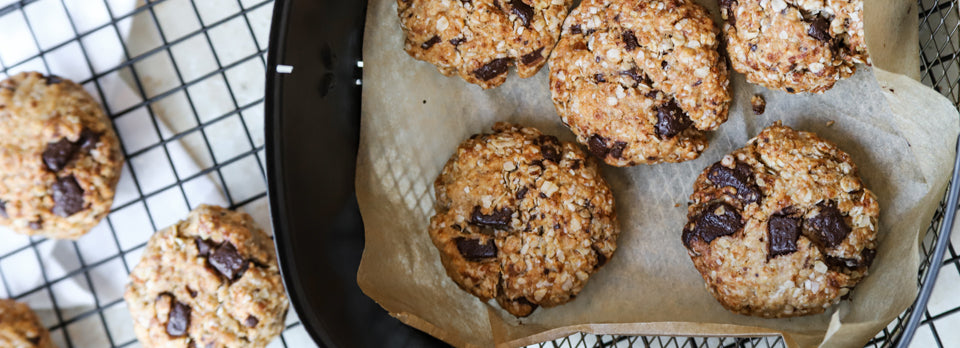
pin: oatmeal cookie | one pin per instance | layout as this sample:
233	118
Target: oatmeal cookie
794	45
59	156
208	281
20	328
782	227
523	218
638	81
481	39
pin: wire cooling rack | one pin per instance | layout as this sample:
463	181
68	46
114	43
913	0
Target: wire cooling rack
196	70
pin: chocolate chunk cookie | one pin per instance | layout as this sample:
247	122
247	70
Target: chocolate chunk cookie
782	227
208	281
20	328
59	155
795	46
639	81
523	218
481	39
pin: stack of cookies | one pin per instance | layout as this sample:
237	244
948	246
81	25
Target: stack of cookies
781	227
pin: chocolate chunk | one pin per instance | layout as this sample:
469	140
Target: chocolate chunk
740	177
617	150
458	41
598	146
251	321
179	319
758	104
671	120
840	263
820	29
204	246
492	69
522	10
226	260
828	228
717	220
88	140
630	40
522	192
67	196
56	155
3	209
576	29
867	256
472	250
193	293
637	76
601	258
575	165
784	231
499	219
429	43
53	79
598	78
538	163
731	14
790	90
532	57
548	147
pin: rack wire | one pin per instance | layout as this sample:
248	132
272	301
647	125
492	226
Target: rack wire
193	61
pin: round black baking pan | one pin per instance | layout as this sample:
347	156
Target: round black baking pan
312	129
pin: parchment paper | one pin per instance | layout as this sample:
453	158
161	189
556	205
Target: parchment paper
900	133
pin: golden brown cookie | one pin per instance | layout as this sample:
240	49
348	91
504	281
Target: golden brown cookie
782	227
639	81
20	328
794	45
208	281
523	218
59	156
481	39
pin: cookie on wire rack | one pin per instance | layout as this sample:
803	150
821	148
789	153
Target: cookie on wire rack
211	280
782	227
60	157
20	327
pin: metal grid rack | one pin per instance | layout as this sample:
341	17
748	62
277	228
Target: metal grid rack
187	77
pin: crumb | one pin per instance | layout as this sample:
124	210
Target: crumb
830	123
676	205
759	105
